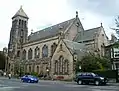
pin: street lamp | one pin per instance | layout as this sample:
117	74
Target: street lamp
80	67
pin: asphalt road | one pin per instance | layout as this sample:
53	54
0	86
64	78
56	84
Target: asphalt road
17	85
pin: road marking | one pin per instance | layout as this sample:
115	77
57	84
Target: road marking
103	88
75	86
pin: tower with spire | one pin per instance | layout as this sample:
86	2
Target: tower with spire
18	33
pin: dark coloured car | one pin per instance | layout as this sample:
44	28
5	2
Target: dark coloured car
29	79
87	78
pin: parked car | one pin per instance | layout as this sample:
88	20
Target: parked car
87	78
29	79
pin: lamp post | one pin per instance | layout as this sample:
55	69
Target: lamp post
47	72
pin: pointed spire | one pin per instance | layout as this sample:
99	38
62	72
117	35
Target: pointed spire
101	24
20	12
76	14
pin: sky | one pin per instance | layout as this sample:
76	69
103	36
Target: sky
44	13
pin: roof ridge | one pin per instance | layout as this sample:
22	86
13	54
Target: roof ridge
53	25
92	28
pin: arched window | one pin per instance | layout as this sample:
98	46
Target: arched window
30	53
45	51
61	58
29	69
20	22
37	52
25	24
22	32
24	55
53	47
56	67
37	69
18	53
66	66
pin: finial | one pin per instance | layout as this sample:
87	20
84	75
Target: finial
101	24
76	13
21	6
31	31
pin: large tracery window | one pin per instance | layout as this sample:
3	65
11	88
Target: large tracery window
24	55
37	52
53	47
61	66
30	53
56	67
45	51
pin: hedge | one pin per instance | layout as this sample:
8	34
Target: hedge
106	73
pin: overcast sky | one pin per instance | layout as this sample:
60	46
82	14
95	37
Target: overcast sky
44	13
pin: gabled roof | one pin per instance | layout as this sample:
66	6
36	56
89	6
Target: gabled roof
87	34
20	12
50	31
75	48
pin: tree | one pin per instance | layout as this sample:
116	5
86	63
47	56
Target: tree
91	62
117	26
2	61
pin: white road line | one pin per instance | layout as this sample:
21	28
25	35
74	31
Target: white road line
75	85
104	88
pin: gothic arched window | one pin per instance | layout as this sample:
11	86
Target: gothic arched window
20	22
18	53
61	58
24	55
53	47
45	51
30	53
66	67
37	69
56	67
25	24
29	69
37	52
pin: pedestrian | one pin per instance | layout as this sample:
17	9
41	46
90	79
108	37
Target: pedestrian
4	74
9	75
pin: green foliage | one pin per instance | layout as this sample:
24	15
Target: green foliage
91	62
116	45
35	74
2	61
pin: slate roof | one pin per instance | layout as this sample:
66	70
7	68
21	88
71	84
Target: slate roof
20	12
74	47
87	34
50	31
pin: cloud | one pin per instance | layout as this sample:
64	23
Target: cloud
103	7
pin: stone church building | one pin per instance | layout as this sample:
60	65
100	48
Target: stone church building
53	50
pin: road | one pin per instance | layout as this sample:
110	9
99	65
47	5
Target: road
17	85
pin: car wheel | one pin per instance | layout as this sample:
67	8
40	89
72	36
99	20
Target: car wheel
22	80
79	82
97	83
29	81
